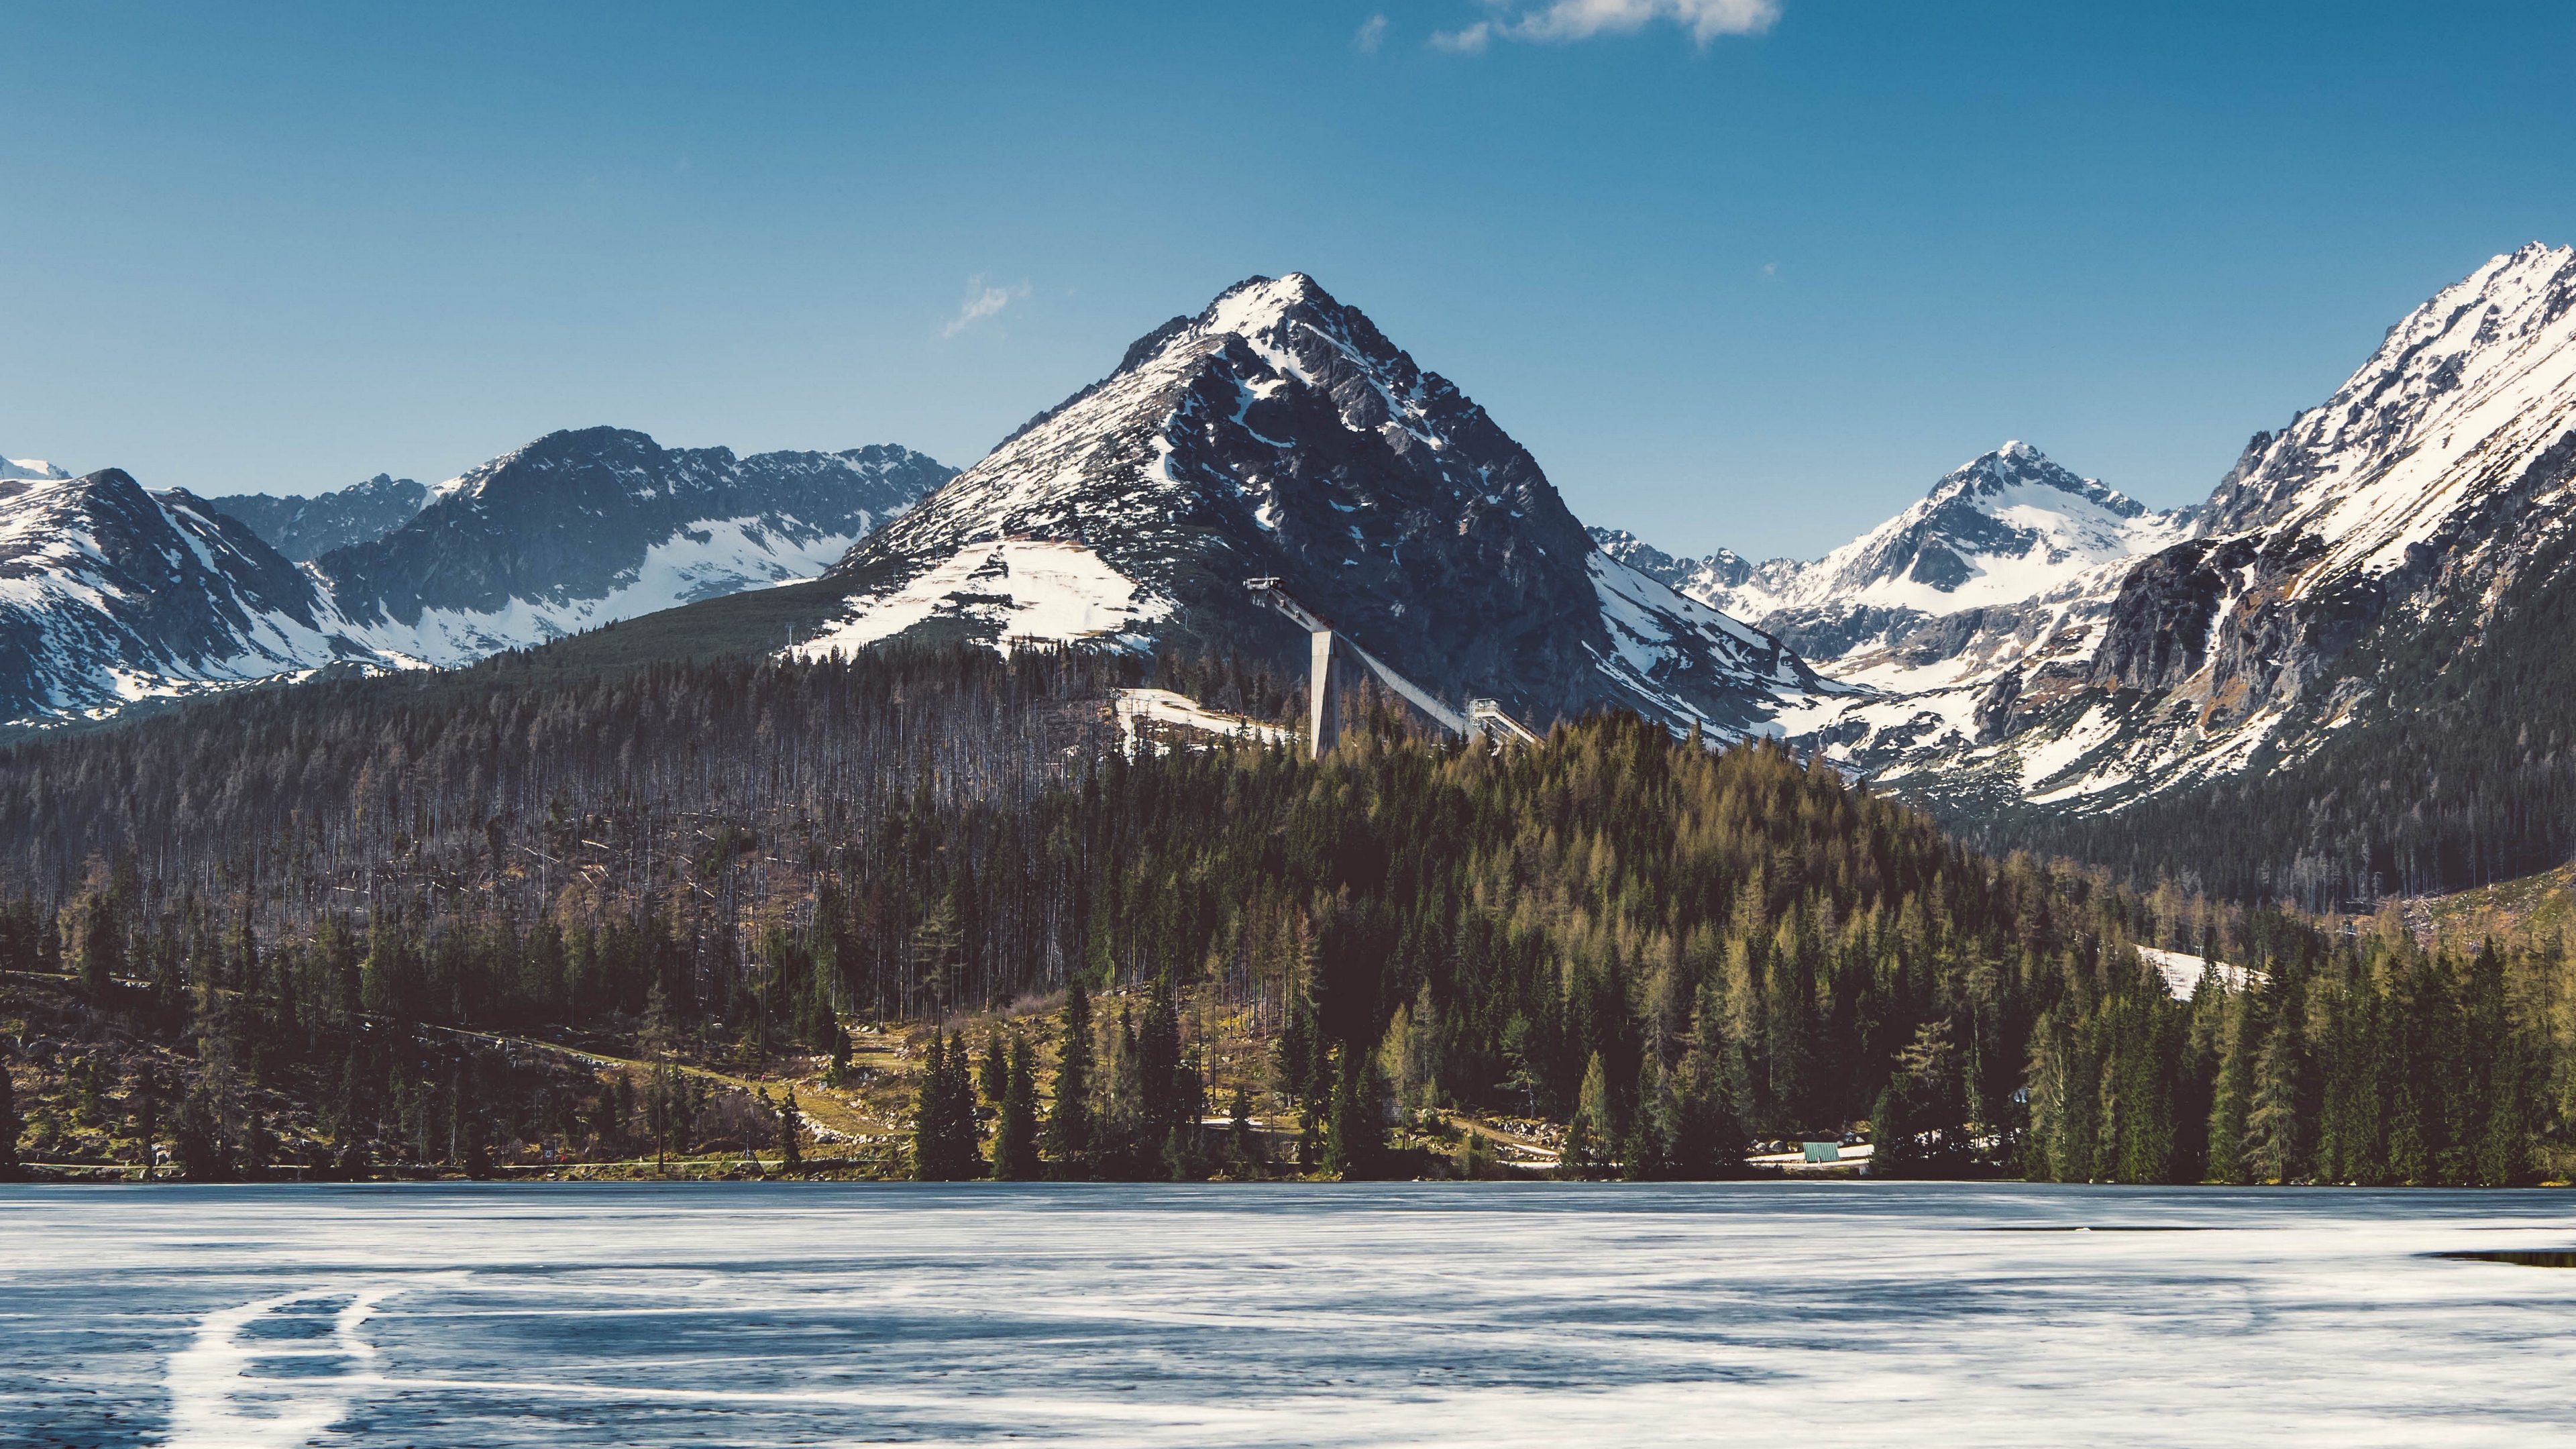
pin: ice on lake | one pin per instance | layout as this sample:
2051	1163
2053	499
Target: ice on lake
1813	1314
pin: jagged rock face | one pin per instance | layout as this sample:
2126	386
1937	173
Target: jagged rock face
110	594
1279	433
581	528
1700	578
307	528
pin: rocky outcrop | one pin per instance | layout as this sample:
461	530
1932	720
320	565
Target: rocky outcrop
307	528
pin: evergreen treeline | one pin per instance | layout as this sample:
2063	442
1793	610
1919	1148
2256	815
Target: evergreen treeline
1674	951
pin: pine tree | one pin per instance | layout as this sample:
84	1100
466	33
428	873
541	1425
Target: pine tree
11	1129
2275	1149
994	1078
1015	1139
2232	1100
1247	1149
1068	1139
1653	1128
102	950
791	1134
1356	1148
938	952
1593	1133
202	1152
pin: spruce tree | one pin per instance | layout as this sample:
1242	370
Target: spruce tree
930	1114
965	1138
198	1135
994	1077
1356	1148
1247	1150
946	1145
10	1127
791	1134
1015	1138
1068	1140
1592	1135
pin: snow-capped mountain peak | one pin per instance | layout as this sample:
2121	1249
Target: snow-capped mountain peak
36	469
2004	526
1278	432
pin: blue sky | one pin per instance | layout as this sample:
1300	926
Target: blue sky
1739	273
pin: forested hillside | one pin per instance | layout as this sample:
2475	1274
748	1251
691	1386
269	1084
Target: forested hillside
1671	951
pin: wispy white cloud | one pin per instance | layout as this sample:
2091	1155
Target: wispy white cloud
1465	42
982	302
1371	34
1570	20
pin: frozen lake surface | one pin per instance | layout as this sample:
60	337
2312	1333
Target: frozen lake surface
1774	1313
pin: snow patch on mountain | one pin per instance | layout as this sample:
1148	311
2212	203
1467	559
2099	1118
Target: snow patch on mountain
36	469
704	560
1016	590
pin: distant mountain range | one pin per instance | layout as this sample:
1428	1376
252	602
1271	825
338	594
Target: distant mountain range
2024	643
2038	640
110	594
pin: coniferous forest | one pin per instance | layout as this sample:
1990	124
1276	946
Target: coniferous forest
928	911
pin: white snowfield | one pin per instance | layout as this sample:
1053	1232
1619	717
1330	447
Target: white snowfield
1133	707
60	594
703	560
1016	589
2183	973
2455	404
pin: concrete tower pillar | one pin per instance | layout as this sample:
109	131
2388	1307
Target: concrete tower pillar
1323	705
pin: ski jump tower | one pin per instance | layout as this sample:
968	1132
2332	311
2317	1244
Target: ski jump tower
1323	696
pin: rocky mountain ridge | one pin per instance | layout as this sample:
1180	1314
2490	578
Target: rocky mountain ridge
2139	653
1278	433
111	595
306	528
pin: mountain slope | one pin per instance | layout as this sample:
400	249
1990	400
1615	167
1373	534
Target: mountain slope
580	528
110	594
1279	433
2365	565
307	528
2425	495
1962	615
36	469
